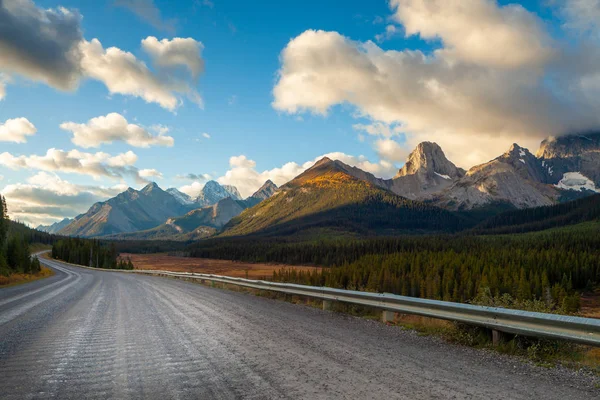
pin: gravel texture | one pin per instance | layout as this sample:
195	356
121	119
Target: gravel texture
94	334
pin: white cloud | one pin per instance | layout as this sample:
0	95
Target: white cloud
47	45
123	73
46	198
390	32
16	130
496	80
149	12
391	150
96	165
478	31
247	179
193	189
114	127
184	52
206	135
150	174
380	129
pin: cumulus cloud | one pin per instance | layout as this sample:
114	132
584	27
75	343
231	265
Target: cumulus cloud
47	45
149	12
114	127
206	135
478	31
46	198
123	73
40	44
96	165
16	130
185	52
391	150
150	174
243	174
390	32
496	79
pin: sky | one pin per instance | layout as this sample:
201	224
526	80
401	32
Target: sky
99	96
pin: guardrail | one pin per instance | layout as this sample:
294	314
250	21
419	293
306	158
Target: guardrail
526	323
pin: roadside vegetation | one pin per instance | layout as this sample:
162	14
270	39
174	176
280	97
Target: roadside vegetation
16	263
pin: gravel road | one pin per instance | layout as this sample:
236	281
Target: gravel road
94	334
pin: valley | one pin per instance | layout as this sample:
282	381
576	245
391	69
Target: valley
236	269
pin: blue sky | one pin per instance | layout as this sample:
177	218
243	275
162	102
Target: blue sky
241	48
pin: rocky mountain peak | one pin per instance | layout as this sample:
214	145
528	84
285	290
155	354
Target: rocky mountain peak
322	161
152	186
212	192
265	191
429	159
571	153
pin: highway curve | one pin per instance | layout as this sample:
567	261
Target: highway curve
94	334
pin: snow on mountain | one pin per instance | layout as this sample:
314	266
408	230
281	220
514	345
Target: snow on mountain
576	181
181	197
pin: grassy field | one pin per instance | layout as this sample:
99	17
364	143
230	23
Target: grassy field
207	266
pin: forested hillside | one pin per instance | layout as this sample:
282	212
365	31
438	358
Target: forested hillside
540	218
550	266
327	197
14	246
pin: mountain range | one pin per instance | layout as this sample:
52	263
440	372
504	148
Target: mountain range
428	193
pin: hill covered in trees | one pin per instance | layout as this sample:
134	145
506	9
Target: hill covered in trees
540	218
327	196
15	257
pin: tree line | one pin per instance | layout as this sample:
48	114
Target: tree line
89	252
15	256
552	266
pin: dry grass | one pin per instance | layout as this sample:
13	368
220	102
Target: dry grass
207	266
17	279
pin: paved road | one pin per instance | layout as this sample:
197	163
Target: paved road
94	334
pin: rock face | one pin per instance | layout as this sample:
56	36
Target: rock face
212	192
129	211
267	190
573	153
426	172
55	227
517	178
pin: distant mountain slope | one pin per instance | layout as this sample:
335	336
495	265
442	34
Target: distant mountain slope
55	227
540	218
517	177
329	195
572	153
265	191
196	224
212	192
129	211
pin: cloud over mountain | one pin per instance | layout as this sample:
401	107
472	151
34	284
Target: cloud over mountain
114	127
243	174
47	198
497	74
96	165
